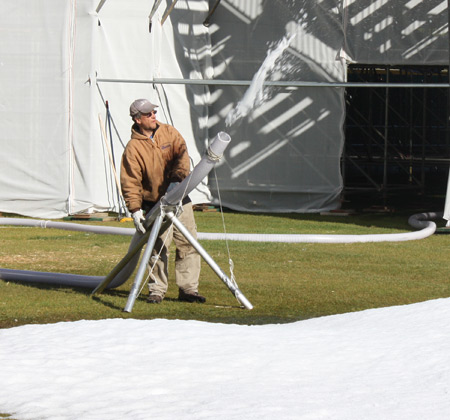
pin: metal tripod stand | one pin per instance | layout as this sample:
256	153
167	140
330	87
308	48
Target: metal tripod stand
166	217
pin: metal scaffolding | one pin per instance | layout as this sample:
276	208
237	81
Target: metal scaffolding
396	136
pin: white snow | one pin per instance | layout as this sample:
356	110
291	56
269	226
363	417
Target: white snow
389	363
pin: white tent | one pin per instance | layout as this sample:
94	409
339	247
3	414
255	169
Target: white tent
60	61
54	160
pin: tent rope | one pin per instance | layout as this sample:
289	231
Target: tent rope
230	260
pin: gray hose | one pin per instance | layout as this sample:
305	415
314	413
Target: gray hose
73	280
421	220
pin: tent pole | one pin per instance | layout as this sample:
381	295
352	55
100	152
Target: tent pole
121	200
100	5
386	137
153	11
206	21
169	11
113	161
276	83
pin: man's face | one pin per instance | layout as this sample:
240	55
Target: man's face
147	121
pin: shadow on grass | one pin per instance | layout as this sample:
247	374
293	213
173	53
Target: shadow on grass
106	303
207	304
61	288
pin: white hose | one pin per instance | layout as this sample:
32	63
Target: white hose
418	221
68	226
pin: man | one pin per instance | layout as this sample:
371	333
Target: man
155	159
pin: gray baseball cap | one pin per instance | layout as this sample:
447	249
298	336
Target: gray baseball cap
143	106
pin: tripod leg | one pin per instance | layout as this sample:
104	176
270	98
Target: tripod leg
166	15
233	288
134	292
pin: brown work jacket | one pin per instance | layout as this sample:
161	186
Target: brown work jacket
150	165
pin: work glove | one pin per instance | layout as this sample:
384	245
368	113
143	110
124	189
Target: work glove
139	219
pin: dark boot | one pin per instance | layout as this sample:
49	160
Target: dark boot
191	297
154	299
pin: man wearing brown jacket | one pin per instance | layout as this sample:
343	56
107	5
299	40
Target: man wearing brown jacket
155	158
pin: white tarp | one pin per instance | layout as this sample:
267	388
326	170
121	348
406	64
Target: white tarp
285	157
56	57
54	160
396	32
35	129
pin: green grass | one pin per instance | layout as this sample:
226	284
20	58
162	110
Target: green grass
284	282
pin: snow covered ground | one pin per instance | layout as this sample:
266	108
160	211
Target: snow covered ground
390	363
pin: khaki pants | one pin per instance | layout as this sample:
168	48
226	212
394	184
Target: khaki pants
187	259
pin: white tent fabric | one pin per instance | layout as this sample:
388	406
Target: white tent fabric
128	53
285	156
35	128
54	160
396	32
60	61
